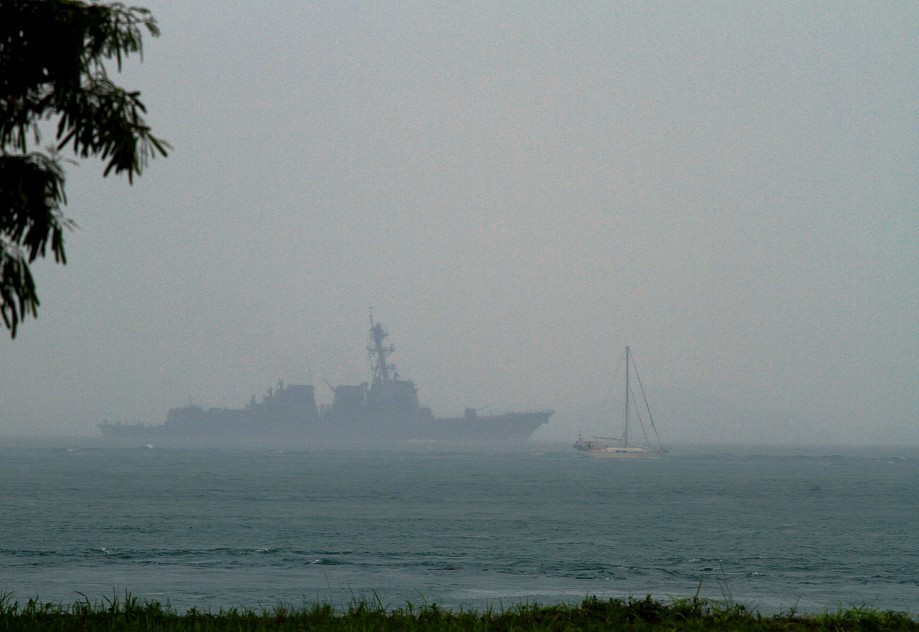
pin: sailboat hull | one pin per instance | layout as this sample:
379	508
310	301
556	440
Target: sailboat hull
620	453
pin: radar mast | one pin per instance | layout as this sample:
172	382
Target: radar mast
378	353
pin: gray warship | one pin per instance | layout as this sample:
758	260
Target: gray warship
382	413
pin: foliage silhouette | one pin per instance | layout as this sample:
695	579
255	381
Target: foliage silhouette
53	56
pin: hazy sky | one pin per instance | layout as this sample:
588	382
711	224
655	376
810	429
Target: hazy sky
519	190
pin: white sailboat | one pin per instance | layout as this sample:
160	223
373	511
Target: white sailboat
619	447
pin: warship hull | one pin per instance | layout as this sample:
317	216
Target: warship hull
498	431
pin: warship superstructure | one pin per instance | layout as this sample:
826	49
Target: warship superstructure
385	412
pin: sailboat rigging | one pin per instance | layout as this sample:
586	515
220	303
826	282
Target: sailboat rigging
619	447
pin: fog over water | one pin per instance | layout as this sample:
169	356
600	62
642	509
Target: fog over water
518	190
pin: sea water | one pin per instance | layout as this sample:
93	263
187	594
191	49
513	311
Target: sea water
252	529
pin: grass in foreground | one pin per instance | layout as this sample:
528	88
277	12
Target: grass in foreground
591	614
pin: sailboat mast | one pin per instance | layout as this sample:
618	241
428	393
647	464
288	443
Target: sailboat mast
625	432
